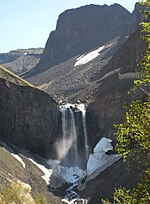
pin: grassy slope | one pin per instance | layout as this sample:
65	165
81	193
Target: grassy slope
9	76
12	169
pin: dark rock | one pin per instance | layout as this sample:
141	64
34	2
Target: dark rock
29	118
137	13
112	94
102	187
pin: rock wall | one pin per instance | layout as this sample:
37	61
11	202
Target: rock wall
115	81
29	118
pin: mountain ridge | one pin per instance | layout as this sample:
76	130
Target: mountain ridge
21	60
89	27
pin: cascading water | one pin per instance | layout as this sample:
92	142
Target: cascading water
64	130
82	108
73	145
74	150
76	166
70	138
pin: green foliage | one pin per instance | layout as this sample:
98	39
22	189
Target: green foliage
14	192
19	193
13	166
126	196
40	199
134	134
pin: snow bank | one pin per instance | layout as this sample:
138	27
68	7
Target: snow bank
74	201
88	57
104	145
47	172
19	159
99	160
70	175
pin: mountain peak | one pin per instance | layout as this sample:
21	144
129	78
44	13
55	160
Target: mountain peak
82	29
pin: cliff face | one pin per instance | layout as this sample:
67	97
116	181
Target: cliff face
115	81
79	30
29	118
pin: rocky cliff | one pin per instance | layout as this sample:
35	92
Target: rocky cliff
82	29
29	118
115	81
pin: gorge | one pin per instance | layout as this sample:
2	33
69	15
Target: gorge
56	122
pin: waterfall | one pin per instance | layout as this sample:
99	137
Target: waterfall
74	146
82	108
74	151
64	130
69	140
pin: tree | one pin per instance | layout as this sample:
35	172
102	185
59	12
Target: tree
134	134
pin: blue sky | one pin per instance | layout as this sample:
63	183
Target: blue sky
28	23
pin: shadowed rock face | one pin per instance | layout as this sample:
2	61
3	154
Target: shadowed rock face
79	30
102	187
29	118
107	108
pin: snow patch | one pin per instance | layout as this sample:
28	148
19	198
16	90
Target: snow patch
99	160
71	174
88	57
47	172
19	159
104	145
83	201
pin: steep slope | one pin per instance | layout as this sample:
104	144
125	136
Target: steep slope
102	187
29	118
115	81
69	81
21	60
82	29
16	165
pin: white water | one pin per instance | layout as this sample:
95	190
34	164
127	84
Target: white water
71	161
74	152
64	130
82	108
70	137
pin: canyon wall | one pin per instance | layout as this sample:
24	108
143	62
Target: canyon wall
29	118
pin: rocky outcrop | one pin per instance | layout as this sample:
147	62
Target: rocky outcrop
29	118
137	14
115	81
102	187
21	60
82	29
